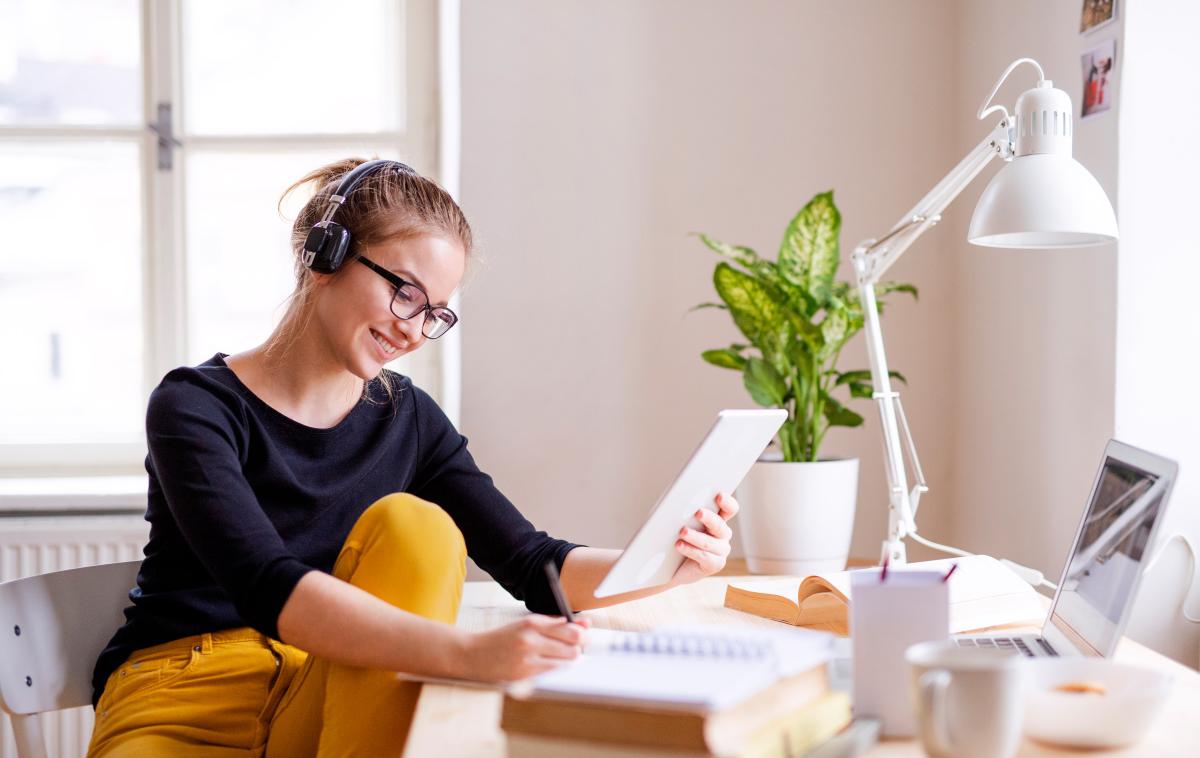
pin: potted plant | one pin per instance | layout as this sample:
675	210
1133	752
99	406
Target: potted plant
798	509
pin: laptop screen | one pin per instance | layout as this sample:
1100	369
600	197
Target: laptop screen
1097	586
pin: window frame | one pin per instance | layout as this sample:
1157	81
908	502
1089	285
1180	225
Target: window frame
164	252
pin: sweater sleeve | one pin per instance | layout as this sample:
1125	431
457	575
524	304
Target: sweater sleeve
499	539
196	443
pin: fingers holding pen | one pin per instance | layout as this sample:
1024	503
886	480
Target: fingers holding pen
554	638
527	647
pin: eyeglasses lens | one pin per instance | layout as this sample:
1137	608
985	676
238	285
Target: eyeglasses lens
437	322
408	302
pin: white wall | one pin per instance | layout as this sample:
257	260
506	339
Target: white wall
596	136
1034	339
1157	321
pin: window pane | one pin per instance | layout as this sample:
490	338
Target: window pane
70	293
70	62
292	66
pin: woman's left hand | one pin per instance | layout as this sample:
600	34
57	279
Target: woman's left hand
706	550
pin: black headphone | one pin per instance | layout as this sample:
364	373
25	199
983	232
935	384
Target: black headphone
327	242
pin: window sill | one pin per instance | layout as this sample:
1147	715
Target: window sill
73	495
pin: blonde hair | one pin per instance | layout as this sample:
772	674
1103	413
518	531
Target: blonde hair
390	203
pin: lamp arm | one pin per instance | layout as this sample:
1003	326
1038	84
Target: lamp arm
872	258
880	254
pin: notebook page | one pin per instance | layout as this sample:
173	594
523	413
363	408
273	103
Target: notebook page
691	668
661	682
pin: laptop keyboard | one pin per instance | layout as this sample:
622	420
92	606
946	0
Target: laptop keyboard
1007	643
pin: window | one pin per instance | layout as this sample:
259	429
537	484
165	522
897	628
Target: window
143	148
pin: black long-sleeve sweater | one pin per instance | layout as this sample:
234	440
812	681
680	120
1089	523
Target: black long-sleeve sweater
244	501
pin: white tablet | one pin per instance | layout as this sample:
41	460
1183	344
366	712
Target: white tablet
723	459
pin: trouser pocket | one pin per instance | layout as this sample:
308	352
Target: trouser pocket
144	672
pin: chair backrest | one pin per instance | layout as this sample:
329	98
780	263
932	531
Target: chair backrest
52	629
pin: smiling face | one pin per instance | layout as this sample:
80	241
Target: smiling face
352	308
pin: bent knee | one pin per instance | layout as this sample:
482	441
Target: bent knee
414	523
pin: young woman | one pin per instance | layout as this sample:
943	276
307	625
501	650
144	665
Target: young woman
310	513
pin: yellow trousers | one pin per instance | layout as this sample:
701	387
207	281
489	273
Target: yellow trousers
239	693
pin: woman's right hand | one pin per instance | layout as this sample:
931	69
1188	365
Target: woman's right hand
522	649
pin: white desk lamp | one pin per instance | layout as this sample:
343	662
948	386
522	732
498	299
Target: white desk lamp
1043	198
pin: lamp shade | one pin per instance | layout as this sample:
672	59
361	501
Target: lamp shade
1043	201
1043	197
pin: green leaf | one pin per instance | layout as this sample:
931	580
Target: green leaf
751	303
860	375
722	306
742	255
764	383
809	255
725	358
861	389
835	330
864	375
839	415
883	288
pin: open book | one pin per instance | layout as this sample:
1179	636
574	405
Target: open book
984	593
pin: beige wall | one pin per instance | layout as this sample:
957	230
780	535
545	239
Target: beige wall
1035	331
596	136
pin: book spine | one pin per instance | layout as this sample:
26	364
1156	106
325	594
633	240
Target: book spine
607	724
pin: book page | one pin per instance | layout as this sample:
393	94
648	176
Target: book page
785	588
977	576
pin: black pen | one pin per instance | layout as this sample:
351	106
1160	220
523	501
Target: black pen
556	588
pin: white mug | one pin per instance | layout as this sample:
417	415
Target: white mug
968	701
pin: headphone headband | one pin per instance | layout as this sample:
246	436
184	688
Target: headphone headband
328	242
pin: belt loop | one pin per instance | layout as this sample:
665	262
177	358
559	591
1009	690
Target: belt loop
206	643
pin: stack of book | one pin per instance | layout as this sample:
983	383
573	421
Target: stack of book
682	693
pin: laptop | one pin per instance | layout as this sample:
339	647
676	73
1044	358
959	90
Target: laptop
1095	595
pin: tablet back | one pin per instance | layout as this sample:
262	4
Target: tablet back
723	459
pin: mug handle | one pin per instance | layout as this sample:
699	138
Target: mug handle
932	686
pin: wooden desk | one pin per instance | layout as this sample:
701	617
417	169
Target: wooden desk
464	722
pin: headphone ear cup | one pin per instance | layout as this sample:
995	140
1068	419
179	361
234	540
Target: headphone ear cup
326	246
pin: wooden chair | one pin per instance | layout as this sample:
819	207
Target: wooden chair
52	629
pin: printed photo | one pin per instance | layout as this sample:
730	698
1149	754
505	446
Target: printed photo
1098	73
1096	13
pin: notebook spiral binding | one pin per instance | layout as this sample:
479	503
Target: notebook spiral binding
699	646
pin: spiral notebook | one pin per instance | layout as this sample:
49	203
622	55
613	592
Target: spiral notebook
704	668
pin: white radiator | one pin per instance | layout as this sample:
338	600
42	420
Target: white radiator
37	545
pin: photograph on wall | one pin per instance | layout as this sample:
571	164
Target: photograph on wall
1095	14
1099	66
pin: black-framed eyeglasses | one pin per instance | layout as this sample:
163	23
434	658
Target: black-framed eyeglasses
410	300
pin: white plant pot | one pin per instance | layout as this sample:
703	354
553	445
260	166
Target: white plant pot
797	518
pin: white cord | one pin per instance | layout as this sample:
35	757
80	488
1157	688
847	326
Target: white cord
1191	581
984	113
939	546
1030	575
